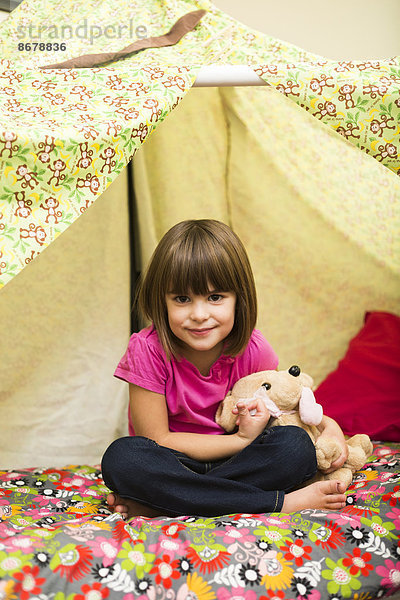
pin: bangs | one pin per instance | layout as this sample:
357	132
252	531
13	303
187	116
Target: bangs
199	265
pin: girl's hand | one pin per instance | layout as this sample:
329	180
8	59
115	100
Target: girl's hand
252	418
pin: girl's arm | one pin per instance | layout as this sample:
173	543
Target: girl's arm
330	429
150	419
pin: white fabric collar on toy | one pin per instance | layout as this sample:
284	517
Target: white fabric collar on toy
310	411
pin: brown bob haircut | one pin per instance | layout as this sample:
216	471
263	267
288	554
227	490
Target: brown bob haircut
192	256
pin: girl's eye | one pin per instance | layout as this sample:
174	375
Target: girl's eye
215	297
181	299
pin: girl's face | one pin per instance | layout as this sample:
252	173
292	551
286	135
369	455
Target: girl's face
201	322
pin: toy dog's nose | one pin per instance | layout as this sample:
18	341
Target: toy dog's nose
295	371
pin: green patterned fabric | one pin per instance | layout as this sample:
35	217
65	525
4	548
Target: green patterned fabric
67	133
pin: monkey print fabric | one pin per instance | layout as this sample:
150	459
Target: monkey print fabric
64	141
65	134
359	100
58	541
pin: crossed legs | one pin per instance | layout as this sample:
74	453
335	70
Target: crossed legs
151	480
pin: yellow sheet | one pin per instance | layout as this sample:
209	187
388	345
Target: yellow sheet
64	325
318	217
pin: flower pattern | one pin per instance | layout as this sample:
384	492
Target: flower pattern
165	570
358	561
28	582
276	571
136	558
391	575
340	579
94	555
297	551
209	557
94	591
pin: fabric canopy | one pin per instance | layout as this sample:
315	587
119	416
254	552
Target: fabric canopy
68	132
316	215
319	217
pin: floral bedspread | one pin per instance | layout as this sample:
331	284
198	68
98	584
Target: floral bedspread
59	541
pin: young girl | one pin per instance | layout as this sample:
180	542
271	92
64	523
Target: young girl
199	294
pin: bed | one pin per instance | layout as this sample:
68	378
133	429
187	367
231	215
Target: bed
58	540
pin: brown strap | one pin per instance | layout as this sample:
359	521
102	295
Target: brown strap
178	30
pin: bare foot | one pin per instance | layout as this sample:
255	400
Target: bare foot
128	508
327	494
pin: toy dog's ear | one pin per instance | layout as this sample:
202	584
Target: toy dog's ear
306	380
310	411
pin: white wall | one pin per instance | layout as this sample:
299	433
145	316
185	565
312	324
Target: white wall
340	29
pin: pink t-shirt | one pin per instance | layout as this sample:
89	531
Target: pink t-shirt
192	398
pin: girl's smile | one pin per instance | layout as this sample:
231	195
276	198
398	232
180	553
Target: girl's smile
201	331
201	323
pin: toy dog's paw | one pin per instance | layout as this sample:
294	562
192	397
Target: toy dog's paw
363	441
224	416
327	452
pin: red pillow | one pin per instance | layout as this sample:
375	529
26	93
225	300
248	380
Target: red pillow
363	393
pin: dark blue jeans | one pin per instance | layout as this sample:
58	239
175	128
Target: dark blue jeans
252	481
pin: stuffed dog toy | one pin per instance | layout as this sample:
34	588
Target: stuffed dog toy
290	400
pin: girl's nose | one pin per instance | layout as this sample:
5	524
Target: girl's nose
199	311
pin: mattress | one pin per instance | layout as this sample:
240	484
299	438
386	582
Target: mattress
58	540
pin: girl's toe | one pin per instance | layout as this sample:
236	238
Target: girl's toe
111	500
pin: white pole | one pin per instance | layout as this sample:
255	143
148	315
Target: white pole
227	75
